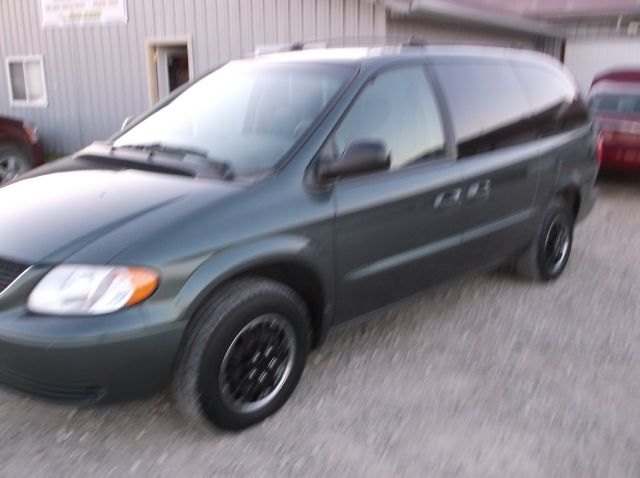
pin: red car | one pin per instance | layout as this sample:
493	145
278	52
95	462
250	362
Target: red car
614	100
20	149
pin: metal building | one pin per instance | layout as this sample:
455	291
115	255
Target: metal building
78	68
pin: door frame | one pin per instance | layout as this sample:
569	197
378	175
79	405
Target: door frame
152	74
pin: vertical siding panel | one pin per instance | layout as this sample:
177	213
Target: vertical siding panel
186	27
87	107
202	43
235	34
138	57
182	10
93	80
351	18
56	98
270	22
246	27
295	9
337	18
282	21
168	14
214	32
257	21
365	19
119	91
22	15
158	18
379	20
51	119
322	19
223	28
105	79
4	88
148	32
309	20
99	94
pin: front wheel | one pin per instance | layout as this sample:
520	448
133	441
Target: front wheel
244	355
548	254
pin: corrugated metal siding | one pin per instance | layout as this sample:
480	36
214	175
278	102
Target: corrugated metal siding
97	75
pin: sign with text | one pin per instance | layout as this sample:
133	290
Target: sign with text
60	13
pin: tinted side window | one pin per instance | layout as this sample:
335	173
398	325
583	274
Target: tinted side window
487	104
556	105
398	108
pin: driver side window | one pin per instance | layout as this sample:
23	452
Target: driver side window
399	108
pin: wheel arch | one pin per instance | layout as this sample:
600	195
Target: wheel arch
571	194
568	188
295	268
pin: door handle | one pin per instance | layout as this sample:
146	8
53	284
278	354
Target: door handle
479	190
450	198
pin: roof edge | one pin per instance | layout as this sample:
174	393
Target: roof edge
472	16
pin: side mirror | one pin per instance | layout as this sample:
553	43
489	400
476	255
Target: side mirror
127	121
361	156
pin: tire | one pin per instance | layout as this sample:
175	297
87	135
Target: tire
548	254
13	162
251	317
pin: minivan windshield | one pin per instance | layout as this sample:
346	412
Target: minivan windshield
245	115
623	104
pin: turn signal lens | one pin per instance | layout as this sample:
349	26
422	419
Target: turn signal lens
88	289
144	283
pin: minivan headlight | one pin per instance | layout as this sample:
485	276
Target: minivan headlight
88	289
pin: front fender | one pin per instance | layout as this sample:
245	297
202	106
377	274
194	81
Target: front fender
236	260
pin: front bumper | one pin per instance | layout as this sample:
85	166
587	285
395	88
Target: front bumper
87	359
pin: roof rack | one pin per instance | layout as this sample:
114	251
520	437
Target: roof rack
342	42
379	41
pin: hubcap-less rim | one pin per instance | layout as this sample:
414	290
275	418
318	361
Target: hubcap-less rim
10	167
556	246
257	363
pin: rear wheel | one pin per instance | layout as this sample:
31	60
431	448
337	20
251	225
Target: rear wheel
547	255
244	356
13	162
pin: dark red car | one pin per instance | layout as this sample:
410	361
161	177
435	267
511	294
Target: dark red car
20	149
614	100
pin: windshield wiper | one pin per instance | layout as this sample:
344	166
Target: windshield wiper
191	155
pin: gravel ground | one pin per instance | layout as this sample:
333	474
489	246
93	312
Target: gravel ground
487	376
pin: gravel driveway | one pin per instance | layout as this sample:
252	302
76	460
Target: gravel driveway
487	376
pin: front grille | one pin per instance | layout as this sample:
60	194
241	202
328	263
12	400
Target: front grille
9	271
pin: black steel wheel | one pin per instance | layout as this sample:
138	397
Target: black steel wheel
257	363
548	254
244	354
556	245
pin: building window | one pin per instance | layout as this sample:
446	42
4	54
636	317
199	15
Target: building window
26	81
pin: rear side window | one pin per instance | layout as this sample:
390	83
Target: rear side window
622	104
488	105
399	108
555	104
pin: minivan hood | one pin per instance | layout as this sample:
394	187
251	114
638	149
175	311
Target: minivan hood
47	218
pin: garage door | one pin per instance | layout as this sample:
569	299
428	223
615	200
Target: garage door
586	58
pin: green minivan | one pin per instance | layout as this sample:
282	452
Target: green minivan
214	241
